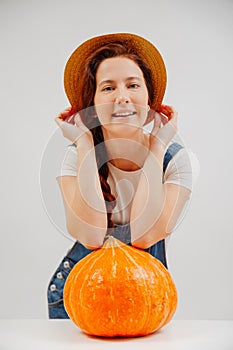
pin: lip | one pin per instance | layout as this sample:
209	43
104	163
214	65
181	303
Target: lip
123	114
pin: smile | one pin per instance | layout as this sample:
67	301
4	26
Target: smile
123	114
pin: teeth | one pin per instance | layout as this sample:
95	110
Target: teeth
124	114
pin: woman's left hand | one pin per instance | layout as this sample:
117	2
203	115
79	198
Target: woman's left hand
165	126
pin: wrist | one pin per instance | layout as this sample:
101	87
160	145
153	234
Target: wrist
84	142
158	149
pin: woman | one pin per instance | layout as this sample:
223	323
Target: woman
117	179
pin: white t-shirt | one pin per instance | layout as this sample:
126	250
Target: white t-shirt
183	170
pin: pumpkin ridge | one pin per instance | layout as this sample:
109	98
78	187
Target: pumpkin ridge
163	284
153	262
143	272
169	285
159	267
84	285
97	257
147	322
112	251
119	246
73	278
172	299
118	255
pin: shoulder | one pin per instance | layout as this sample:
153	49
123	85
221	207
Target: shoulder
183	167
69	162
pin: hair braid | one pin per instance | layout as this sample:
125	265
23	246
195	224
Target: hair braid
101	159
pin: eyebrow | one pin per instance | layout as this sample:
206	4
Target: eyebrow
109	81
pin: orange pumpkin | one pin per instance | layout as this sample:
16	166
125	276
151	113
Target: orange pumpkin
119	290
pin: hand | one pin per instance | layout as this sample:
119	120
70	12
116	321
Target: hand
72	126
165	125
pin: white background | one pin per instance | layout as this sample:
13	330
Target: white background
195	39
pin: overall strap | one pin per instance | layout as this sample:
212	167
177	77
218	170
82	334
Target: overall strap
171	151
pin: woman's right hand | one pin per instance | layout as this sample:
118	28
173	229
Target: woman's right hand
72	126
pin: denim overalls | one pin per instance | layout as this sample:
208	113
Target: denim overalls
78	251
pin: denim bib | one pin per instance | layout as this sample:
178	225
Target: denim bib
78	251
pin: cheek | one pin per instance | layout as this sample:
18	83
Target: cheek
101	99
143	113
95	99
143	98
146	97
104	110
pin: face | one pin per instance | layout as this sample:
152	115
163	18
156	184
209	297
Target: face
121	98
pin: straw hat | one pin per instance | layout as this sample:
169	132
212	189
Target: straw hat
74	68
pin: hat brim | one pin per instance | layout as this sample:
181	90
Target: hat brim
143	48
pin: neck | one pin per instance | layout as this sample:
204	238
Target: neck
127	153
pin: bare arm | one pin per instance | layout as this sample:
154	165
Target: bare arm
86	217
156	206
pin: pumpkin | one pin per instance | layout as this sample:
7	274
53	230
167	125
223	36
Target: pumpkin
119	290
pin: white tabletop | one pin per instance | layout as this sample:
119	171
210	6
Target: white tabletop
64	335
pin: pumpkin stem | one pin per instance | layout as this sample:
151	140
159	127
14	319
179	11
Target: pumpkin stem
112	242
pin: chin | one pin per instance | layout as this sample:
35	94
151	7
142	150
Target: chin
123	128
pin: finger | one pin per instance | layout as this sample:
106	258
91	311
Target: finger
157	123
77	120
174	119
164	119
66	113
166	133
167	110
150	117
70	119
59	121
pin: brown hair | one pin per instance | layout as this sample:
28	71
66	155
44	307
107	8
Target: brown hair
87	101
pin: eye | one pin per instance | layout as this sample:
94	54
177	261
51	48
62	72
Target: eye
107	88
134	86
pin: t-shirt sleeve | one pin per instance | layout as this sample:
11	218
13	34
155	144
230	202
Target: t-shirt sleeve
69	162
183	169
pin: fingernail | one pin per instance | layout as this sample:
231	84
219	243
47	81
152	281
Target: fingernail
70	118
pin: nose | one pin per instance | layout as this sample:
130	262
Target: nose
122	98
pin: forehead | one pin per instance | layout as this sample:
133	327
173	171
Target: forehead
118	66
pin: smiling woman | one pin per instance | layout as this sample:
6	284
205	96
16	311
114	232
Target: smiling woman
121	93
117	179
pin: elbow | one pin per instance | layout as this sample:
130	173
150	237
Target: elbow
144	243
91	239
141	244
149	238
